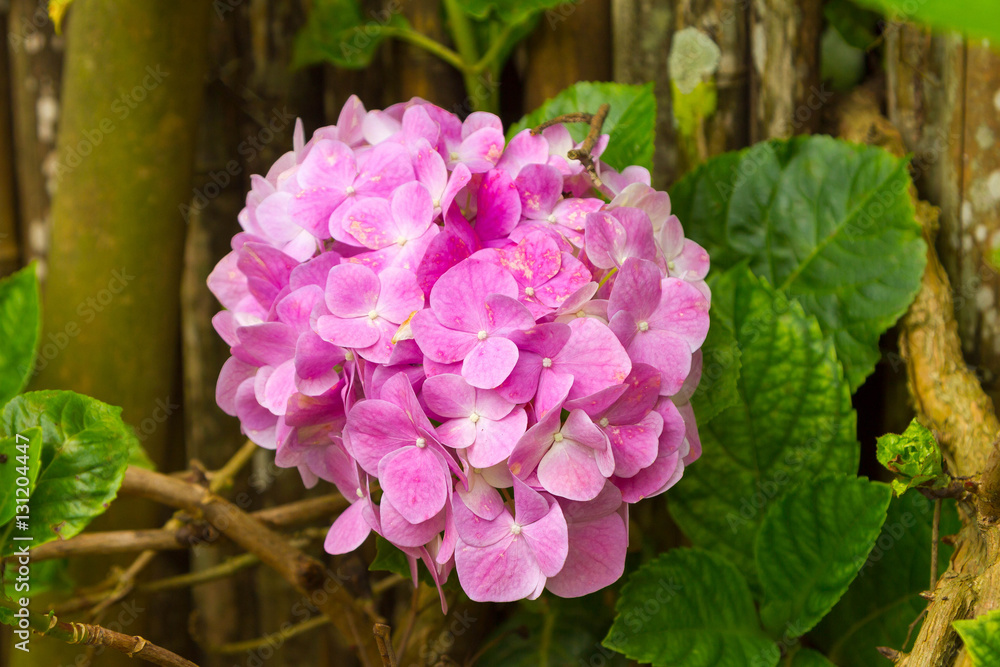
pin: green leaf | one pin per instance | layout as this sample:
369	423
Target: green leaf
19	456
45	576
977	18
855	25
631	122
915	458
508	11
841	64
811	545
807	657
20	328
554	631
829	223
85	450
720	373
794	420
982	638
885	599
337	32
690	607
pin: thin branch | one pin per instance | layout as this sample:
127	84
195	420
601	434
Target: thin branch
220	480
935	539
303	572
84	634
384	641
224	569
411	620
187	535
273	639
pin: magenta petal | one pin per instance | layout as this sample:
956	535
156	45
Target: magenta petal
382	169
415	482
330	164
481	149
459	296
348	531
456	242
374	429
524	148
533	445
457	433
553	387
489	362
502	572
400	295
369	221
271	343
643	390
234	373
498	205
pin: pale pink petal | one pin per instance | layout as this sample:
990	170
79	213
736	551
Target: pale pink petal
480	150
352	290
548	538
596	557
398	530
495	440
540	187
502	572
489	362
593	356
476	530
524	148
449	396
439	343
570	471
352	332
400	295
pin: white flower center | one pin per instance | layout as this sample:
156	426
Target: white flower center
481	335
372	314
552	217
349	191
643	326
580	313
515	529
421	442
348	356
473	418
530	291
604	421
546	363
437	203
558	437
401	241
671	266
453	157
359	493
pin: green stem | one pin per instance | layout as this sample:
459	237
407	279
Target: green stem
430	45
606	276
482	95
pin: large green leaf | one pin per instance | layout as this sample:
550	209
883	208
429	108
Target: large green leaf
720	374
553	631
690	607
337	32
885	599
85	450
809	658
829	223
982	638
631	122
20	328
793	422
811	545
978	18
19	455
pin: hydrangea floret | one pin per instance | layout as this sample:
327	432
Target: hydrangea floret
489	351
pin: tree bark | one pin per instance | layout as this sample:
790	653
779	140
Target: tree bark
784	54
131	100
10	254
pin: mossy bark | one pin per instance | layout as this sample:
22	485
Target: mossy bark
132	93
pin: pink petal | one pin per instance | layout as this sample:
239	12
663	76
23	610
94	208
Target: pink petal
495	440
374	429
476	530
459	295
596	557
570	471
412	210
382	169
352	290
489	362
369	221
524	148
439	343
637	289
400	295
398	530
484	500
635	446
593	356
548	538
643	390
234	373
540	187
682	311
415	482
351	332
330	164
502	572
449	396
349	531
481	149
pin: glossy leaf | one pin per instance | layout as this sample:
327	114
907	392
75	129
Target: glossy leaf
20	329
